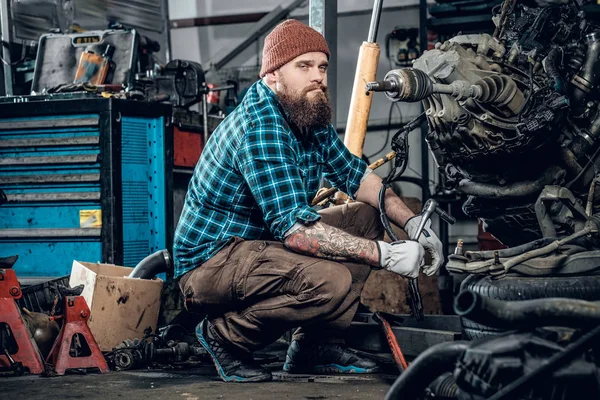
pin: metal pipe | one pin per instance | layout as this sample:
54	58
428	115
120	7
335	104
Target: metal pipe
590	200
510	252
323	17
424	127
374	27
527	314
547	249
205	117
517	189
221	88
263	26
588	78
5	27
152	265
425	368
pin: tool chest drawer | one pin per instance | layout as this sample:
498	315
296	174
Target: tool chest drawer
84	179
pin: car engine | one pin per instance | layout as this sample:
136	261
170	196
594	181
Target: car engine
514	118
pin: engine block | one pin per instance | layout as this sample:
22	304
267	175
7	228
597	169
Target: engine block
512	113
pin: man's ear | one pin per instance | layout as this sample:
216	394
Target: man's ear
271	78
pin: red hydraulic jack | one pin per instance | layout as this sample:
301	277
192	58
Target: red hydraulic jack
27	354
76	331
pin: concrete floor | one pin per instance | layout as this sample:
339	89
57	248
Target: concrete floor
191	384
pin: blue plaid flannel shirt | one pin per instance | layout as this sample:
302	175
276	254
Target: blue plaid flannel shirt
255	179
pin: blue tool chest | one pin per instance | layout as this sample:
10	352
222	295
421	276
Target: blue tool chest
85	179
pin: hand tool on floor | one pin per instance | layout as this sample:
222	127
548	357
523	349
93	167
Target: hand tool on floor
391	339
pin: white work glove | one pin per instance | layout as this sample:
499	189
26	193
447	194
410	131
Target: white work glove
429	241
401	257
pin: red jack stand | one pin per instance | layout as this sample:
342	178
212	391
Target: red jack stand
28	354
75	329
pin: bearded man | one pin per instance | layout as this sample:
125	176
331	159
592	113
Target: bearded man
249	250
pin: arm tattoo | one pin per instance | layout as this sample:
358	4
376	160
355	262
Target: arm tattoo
325	241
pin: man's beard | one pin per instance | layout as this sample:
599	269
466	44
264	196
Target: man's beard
306	112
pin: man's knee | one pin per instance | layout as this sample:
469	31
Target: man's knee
368	218
328	280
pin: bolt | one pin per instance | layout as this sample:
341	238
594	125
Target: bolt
84	314
14	291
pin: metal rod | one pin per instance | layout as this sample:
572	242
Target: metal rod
590	200
5	26
221	88
50	233
205	117
424	127
374	27
167	30
260	28
323	18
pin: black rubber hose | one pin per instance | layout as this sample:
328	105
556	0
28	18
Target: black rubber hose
444	387
427	367
513	190
554	77
152	265
527	314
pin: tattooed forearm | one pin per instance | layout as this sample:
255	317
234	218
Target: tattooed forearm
325	241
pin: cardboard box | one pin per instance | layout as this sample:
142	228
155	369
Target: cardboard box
121	308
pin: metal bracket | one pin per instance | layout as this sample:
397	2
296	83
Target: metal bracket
552	194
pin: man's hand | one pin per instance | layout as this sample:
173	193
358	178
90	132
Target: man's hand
428	240
402	257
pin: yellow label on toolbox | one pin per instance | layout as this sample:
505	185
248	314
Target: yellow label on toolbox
90	218
87	39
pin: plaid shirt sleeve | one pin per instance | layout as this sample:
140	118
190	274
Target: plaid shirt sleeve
343	169
267	161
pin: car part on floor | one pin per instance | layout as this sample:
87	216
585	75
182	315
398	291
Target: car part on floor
136	353
173	344
43	329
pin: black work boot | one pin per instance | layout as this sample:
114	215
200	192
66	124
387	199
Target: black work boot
305	357
232	365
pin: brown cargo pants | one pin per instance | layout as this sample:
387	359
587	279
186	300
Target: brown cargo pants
255	290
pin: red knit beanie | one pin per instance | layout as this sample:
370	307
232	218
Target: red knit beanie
287	41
